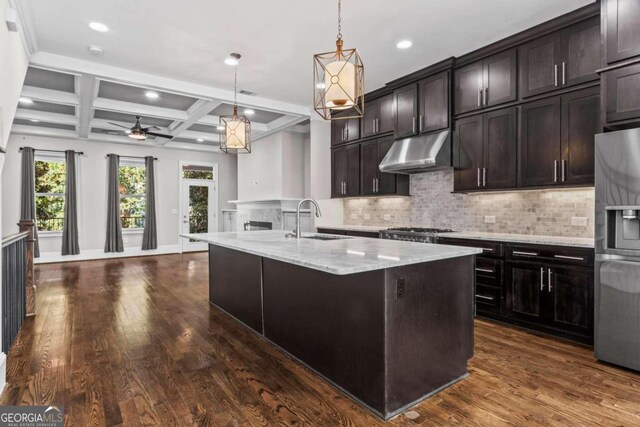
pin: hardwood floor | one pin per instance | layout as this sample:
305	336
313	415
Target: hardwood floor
135	342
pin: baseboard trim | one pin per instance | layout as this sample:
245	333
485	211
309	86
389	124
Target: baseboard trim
50	257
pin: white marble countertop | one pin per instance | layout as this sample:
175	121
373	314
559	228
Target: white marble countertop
338	256
373	228
579	242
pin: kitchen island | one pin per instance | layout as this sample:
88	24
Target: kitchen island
388	322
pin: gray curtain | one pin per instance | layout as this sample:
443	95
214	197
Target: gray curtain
28	193
150	236
70	244
114	225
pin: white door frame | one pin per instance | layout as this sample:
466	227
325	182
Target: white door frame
214	198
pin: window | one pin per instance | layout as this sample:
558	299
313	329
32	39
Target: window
132	195
197	172
50	182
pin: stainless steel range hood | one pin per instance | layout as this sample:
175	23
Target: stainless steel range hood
424	153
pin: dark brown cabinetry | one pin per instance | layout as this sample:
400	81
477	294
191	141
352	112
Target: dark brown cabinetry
374	182
433	95
379	116
406	100
344	130
546	288
621	91
560	59
486	83
485	147
622	31
345	168
557	139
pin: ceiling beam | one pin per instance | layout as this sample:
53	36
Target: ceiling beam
151	81
139	109
279	124
197	111
106	124
48	95
45	116
87	90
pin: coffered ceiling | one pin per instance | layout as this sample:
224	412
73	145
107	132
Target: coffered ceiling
177	49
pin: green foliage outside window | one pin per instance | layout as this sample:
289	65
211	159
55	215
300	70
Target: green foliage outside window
197	174
132	196
50	182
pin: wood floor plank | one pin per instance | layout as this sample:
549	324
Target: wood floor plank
131	342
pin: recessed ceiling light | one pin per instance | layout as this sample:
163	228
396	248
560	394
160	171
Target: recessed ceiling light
404	44
99	27
34	120
249	111
24	100
151	94
95	50
220	127
233	59
200	140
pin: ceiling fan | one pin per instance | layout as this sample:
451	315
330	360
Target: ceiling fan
140	133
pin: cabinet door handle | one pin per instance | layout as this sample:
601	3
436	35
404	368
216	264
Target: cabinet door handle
555	171
347	131
521	253
345	188
413	125
572	258
485	97
564	73
480	97
555	75
542	278
549	287
484	177
421	123
478	177
377	125
484	297
484	270
377	185
564	170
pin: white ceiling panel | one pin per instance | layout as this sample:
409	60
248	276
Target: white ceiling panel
121	92
47	79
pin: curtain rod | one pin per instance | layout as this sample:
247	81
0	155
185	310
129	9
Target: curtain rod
54	151
131	157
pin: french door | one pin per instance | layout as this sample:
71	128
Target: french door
198	211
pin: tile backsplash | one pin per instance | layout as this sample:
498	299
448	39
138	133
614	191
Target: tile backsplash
541	212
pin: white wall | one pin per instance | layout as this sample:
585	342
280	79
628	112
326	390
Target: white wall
320	173
13	68
275	168
93	187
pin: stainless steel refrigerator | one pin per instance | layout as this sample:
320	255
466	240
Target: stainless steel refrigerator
617	267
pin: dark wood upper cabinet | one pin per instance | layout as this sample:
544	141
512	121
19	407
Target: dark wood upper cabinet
344	130
338	134
389	183
468	88
468	153
374	182
621	91
580	52
353	170
580	122
338	172
540	62
369	161
539	143
499	149
622	32
499	77
378	116
406	101
433	93
486	83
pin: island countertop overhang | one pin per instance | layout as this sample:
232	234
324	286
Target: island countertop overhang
339	256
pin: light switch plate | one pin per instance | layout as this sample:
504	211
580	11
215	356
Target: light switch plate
367	216
387	217
490	219
579	221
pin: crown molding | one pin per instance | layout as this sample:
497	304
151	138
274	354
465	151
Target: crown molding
26	27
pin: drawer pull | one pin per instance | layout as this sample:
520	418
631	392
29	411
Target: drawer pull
525	253
485	270
487	249
484	297
573	258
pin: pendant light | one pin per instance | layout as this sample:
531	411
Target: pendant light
338	80
235	129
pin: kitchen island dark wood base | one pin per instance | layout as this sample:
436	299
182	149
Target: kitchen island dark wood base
389	338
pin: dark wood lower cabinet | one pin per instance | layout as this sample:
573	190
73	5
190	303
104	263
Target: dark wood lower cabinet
571	299
525	291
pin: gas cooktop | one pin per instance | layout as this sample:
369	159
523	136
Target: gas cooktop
421	230
413	234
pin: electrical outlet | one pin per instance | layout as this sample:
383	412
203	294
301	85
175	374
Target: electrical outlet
579	221
353	216
387	217
367	216
255	182
489	219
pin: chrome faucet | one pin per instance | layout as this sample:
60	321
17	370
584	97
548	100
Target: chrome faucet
297	231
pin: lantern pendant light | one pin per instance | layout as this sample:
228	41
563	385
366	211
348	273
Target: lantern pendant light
236	134
338	80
